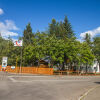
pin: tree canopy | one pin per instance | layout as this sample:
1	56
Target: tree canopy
58	44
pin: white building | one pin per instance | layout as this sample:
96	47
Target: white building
94	68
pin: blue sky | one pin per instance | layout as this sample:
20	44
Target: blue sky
84	15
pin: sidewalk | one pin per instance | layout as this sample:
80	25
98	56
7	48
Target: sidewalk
94	94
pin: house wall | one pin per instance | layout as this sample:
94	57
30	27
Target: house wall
95	67
92	69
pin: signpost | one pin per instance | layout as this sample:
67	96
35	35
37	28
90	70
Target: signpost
12	67
19	43
4	62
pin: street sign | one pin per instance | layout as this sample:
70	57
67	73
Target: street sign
4	62
12	67
18	43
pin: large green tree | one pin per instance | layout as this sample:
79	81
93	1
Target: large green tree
68	28
27	35
96	48
87	39
59	46
3	48
61	29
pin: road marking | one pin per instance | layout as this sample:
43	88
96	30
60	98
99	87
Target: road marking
12	79
29	76
60	77
50	80
86	93
55	79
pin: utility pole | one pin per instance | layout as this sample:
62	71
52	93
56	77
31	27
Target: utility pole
19	43
16	64
21	61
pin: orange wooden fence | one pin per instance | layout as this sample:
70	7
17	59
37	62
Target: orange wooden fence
31	70
0	67
46	71
70	72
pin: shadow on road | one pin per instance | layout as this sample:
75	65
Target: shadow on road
97	82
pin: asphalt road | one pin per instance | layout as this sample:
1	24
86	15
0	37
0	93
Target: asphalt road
36	87
94	94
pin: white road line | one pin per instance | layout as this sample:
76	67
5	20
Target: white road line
61	79
30	76
86	93
12	79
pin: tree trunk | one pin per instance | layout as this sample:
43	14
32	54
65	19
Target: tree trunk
63	66
86	68
38	63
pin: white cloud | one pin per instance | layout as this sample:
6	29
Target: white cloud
13	40
81	40
1	11
7	28
91	32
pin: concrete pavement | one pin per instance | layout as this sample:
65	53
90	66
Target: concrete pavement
33	87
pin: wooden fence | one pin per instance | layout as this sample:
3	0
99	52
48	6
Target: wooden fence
46	71
75	73
0	67
31	70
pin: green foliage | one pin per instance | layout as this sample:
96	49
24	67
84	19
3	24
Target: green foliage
61	30
87	39
59	46
96	48
27	35
7	49
86	54
68	28
3	48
